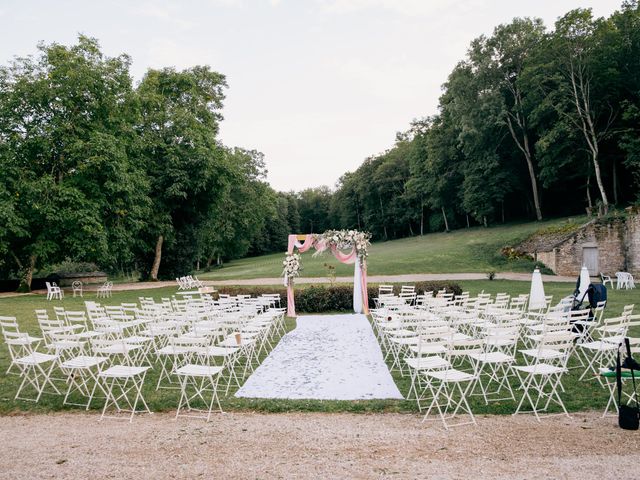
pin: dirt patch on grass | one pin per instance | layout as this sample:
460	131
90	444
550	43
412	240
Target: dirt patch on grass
300	445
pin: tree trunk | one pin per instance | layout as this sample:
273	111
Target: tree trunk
209	261
589	202
384	223
198	265
422	221
615	182
26	274
526	150
582	100
534	187
446	224
532	177
156	261
467	215
603	193
502	210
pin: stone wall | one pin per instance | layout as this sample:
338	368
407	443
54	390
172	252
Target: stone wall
86	278
618	244
632	242
548	258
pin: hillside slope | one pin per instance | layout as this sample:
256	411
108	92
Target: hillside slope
467	250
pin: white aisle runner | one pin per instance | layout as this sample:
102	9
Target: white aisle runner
328	357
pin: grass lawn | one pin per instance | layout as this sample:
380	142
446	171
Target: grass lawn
578	395
475	249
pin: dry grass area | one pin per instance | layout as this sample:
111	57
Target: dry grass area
315	445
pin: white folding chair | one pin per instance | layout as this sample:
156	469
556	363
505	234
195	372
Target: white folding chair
35	367
197	382
449	389
541	380
179	350
82	377
120	383
494	367
17	346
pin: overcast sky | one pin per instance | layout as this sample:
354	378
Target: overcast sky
316	85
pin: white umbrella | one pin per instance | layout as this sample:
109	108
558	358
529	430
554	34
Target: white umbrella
583	282
536	295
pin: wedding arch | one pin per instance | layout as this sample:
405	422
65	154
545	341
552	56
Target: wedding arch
348	246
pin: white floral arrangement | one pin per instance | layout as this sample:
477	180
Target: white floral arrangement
346	239
292	266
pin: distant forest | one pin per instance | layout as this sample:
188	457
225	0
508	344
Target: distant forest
532	123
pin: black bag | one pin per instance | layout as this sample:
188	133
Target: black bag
597	292
628	416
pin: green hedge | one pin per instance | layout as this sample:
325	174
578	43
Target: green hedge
338	298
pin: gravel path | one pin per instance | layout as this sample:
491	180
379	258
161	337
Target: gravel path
417	277
310	445
410	278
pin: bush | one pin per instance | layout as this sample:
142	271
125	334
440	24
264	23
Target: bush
338	298
69	267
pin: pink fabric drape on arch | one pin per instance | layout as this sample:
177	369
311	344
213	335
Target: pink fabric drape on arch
348	258
302	247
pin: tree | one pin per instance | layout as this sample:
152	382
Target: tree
580	94
313	205
443	171
293	213
65	129
346	208
180	114
500	61
625	38
238	224
487	172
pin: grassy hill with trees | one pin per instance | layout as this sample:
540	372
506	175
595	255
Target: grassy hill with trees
475	249
533	123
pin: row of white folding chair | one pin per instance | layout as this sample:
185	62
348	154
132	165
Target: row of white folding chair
396	319
199	371
539	377
404	290
66	352
204	377
219	339
550	375
133	355
105	290
403	337
500	335
445	376
84	357
188	282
